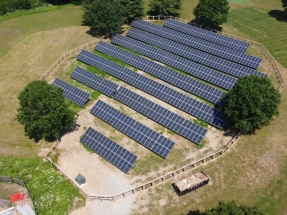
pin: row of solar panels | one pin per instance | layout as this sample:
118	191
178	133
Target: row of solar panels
192	54
167	94
200	44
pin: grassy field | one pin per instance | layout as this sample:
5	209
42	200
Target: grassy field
29	45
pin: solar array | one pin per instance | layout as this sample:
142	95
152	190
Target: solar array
206	59
197	70
137	131
207	35
108	149
173	97
96	82
72	93
182	81
200	44
168	119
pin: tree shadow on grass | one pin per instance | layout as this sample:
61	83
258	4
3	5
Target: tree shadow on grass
197	212
206	25
279	15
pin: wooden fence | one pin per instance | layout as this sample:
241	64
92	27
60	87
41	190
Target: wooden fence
183	169
149	184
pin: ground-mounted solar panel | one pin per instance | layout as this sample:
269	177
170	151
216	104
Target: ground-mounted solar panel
197	70
109	150
94	81
207	35
132	128
163	116
171	96
198	56
200	44
72	93
186	83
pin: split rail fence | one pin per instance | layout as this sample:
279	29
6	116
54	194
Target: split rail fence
182	169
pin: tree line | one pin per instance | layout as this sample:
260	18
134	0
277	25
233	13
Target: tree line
9	6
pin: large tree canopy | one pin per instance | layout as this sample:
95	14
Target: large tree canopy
211	13
103	17
165	7
250	104
230	208
134	9
43	111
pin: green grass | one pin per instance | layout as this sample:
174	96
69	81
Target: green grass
201	123
28	12
88	149
239	1
259	26
50	191
16	28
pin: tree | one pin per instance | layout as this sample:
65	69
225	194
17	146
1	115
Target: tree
284	4
103	17
211	13
43	111
165	7
133	9
230	208
250	104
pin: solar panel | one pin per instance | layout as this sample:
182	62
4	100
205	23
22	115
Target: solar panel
96	82
207	35
200	44
135	130
186	83
206	59
163	116
197	70
173	97
72	93
108	149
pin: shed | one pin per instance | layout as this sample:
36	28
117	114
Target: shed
80	179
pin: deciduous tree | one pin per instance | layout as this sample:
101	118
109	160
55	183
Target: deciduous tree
211	13
250	104
133	9
230	208
43	111
165	7
103	17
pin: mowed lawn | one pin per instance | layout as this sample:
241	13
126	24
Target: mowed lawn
29	45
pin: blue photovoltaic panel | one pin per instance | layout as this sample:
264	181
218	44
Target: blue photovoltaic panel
203	58
96	82
108	149
207	35
163	116
173	97
200	44
72	93
186	83
197	70
137	131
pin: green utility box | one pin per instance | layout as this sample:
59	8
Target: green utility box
80	179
